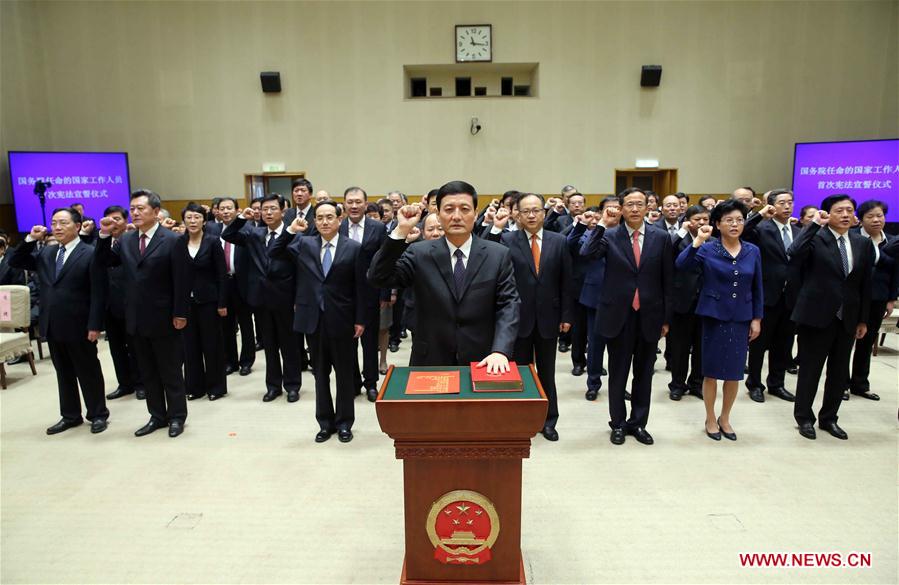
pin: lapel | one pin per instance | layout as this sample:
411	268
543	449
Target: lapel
311	256
76	253
523	241
441	256
338	255
833	249
778	238
627	245
476	259
857	243
154	243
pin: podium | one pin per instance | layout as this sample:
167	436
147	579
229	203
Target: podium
462	475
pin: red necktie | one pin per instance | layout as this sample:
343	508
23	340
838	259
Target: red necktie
636	303
143	244
535	252
228	257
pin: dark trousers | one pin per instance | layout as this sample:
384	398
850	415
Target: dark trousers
861	361
776	338
240	314
685	341
124	358
204	352
333	352
829	344
629	346
76	363
160	360
281	344
541	352
579	335
596	347
399	321
369	375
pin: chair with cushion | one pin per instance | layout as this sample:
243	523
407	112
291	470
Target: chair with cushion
15	320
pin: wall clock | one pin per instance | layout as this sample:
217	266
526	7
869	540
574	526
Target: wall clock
474	42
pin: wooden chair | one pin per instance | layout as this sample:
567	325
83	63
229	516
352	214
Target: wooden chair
15	320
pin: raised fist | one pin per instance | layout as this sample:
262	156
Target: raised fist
704	233
299	225
767	211
609	215
413	235
793	221
502	218
248	214
38	233
755	202
106	224
490	215
854	221
585	218
169	223
87	226
406	218
822	218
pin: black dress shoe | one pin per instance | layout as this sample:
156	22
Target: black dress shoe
807	430
550	434
603	372
642	435
793	370
393	347
564	347
118	393
868	395
271	395
99	425
230	370
782	393
834	429
293	395
371	394
591	395
403	334
627	395
344	435
141	394
577	370
259	346
716	436
176	427
675	394
245	370
147	428
195	396
728	436
617	437
214	397
322	436
845	394
756	394
63	425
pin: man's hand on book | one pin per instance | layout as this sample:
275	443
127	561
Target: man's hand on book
496	363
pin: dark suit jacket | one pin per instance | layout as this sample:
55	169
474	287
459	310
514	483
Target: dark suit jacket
118	289
654	279
291	214
10	274
270	281
453	329
205	272
73	302
338	292
590	272
155	283
731	287
557	222
687	280
885	283
824	287
241	259
662	225
546	298
373	236
778	275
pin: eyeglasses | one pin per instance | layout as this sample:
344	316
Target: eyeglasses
733	221
530	212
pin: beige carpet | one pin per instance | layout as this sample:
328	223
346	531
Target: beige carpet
246	496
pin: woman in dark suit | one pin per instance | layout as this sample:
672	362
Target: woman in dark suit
204	268
731	305
884	290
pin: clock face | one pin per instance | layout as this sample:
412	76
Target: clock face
474	42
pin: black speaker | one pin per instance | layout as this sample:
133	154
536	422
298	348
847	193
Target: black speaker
651	76
271	81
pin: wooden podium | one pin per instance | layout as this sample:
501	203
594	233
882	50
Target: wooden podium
462	476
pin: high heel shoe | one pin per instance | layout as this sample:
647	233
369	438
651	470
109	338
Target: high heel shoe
713	436
729	436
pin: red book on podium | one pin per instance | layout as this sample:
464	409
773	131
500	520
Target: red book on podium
430	382
481	381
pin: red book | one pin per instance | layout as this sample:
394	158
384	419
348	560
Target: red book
433	382
481	381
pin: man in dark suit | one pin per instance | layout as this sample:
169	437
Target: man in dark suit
543	277
121	347
271	294
239	313
772	231
301	193
670	212
156	307
685	337
467	304
831	310
328	311
370	234
635	308
71	318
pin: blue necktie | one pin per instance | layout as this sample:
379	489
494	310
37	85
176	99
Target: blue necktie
788	238
326	259
459	271
60	259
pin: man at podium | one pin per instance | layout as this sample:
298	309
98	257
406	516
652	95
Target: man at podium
466	300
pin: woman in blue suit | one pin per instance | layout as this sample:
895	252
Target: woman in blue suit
730	303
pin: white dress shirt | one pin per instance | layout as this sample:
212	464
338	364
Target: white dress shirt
630	234
466	251
875	241
333	242
278	231
356	231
